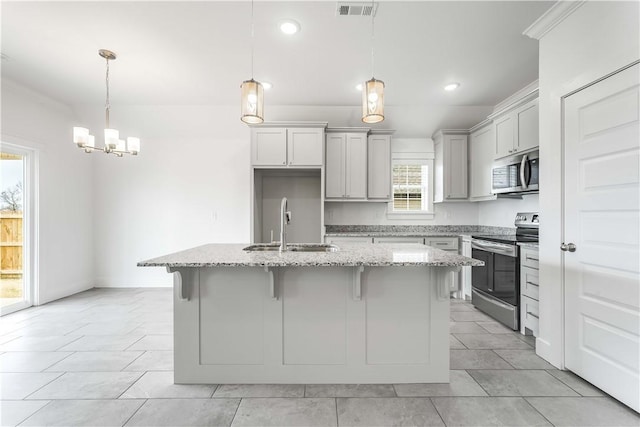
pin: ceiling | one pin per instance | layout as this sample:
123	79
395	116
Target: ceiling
198	53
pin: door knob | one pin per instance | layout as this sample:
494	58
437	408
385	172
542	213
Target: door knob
568	247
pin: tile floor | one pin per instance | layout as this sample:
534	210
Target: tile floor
104	357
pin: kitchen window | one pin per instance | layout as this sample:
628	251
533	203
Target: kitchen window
412	181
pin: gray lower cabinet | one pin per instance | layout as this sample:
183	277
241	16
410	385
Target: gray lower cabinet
529	290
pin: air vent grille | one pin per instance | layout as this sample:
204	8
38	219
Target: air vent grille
356	9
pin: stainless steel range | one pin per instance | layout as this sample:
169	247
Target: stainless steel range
496	285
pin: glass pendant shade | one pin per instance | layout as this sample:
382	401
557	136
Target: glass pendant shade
373	101
91	142
133	145
80	136
252	99
121	145
111	137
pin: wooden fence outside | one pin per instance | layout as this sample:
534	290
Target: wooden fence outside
11	244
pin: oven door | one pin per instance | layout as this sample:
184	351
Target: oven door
496	285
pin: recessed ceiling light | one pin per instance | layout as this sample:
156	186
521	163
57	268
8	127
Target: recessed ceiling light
289	26
359	87
452	86
266	85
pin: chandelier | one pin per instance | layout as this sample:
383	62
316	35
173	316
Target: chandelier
372	90
112	142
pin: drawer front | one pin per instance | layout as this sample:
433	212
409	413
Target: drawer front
338	240
398	240
444	243
529	257
529	283
530	314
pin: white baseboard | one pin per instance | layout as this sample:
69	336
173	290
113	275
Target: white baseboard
545	350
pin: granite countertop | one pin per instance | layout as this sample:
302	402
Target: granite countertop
394	234
349	255
535	245
413	230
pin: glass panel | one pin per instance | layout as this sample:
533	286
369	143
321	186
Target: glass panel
410	187
11	230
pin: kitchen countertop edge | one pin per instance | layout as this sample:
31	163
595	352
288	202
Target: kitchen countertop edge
349	255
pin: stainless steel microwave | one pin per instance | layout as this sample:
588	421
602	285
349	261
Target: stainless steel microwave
517	174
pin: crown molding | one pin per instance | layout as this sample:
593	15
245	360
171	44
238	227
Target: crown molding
552	17
289	125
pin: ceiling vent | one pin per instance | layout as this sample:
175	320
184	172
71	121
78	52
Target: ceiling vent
356	9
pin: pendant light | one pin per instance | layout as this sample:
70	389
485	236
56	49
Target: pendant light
112	142
252	92
372	90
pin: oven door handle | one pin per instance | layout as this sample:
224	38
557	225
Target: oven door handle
524	175
493	248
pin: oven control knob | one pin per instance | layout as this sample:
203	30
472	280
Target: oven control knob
568	247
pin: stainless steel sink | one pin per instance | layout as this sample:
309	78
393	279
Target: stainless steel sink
293	247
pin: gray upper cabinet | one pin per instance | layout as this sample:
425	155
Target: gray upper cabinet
481	143
516	130
287	146
346	165
269	146
451	166
335	165
379	167
304	146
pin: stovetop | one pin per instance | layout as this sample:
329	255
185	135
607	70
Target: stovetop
510	239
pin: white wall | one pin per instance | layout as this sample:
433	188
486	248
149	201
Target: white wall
597	39
65	257
501	212
365	213
189	186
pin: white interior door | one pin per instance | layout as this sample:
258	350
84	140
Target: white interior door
602	280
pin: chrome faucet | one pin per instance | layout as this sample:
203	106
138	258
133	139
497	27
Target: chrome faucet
285	218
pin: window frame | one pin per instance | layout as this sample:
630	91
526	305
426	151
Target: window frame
413	159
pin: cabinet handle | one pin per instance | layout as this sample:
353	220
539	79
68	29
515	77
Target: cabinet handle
533	315
284	163
532	259
531	283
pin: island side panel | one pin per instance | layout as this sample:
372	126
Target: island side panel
317	330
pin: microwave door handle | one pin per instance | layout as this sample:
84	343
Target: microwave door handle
524	181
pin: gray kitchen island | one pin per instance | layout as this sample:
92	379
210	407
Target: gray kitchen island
363	314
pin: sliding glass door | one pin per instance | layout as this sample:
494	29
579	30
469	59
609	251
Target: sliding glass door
16	201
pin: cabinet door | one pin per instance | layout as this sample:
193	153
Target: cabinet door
356	166
528	131
335	166
379	167
456	164
304	147
269	146
481	148
504	128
